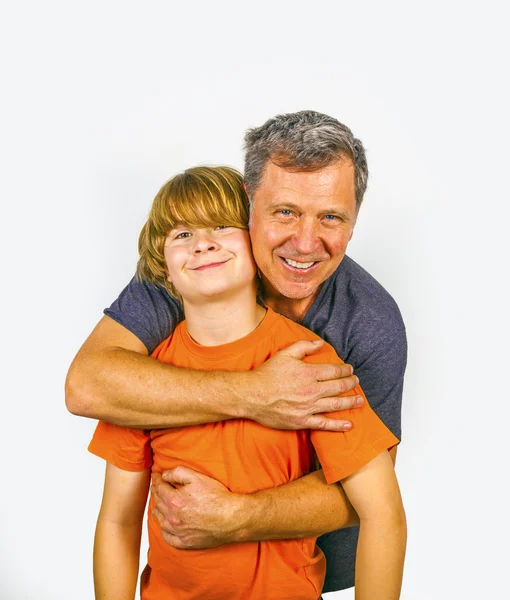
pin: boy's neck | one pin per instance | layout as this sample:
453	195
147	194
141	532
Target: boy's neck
222	321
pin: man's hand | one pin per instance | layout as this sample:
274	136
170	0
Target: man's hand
291	394
195	511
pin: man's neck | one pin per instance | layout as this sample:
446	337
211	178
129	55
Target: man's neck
221	321
294	309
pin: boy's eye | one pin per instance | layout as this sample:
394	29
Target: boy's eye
182	235
222	227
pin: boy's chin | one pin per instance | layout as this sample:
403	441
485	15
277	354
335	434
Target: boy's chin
213	295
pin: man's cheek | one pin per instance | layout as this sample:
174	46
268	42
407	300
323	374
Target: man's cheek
337	246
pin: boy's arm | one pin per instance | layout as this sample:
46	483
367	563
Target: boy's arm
118	533
113	379
374	493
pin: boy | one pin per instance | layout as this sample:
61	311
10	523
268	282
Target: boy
196	242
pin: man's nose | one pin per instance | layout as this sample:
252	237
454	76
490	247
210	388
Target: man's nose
306	237
204	240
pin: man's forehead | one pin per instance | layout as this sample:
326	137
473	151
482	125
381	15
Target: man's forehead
275	173
336	179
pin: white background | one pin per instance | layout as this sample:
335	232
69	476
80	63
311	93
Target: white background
103	101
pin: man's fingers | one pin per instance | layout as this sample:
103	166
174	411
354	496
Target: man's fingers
332	371
160	503
336	387
303	348
173	540
179	476
160	517
326	424
327	405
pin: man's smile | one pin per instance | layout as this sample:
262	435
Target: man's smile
298	266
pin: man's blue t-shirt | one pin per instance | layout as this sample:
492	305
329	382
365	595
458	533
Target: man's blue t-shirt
352	312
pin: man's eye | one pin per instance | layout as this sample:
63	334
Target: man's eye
285	212
331	217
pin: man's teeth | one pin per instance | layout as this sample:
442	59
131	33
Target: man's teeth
298	265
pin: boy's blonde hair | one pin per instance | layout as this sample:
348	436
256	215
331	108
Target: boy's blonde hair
199	197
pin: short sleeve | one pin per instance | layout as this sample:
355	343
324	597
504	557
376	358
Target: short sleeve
126	448
344	453
147	310
381	373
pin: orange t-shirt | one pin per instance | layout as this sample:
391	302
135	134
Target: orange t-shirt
245	456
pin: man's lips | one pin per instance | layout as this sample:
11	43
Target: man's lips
209	265
304	266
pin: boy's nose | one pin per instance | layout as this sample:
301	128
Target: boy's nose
204	241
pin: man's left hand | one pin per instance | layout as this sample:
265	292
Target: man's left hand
196	511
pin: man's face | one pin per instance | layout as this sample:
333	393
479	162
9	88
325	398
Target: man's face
300	227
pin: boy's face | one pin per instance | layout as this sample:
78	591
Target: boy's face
206	262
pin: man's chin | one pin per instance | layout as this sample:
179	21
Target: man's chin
296	291
292	289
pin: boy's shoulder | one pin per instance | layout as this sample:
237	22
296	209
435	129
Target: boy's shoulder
163	347
288	332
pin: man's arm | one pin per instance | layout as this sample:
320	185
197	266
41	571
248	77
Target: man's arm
112	378
118	533
374	492
201	513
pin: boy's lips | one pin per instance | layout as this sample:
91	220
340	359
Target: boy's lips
210	265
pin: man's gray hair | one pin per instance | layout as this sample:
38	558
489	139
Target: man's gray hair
302	141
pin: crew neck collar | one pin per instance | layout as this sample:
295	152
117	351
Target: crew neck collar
225	350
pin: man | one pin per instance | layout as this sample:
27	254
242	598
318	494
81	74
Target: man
305	175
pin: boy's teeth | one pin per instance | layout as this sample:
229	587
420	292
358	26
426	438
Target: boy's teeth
298	265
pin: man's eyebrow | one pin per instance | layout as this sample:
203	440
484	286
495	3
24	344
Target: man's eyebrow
278	203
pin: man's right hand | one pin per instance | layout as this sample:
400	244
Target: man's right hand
291	394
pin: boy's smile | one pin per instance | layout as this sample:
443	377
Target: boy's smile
210	265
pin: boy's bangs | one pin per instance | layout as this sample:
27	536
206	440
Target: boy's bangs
204	210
